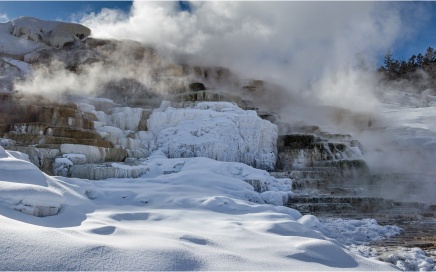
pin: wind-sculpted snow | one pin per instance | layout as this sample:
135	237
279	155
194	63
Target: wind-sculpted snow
23	187
182	214
216	130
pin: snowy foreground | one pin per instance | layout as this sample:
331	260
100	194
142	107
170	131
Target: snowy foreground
183	214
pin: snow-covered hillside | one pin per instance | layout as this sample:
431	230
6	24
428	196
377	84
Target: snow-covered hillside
406	132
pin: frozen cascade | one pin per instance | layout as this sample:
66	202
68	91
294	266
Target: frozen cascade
105	171
125	118
217	130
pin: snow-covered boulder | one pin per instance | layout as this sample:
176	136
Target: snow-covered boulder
217	130
26	34
23	187
52	33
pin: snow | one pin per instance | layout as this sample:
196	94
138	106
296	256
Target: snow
21	65
125	118
405	131
15	46
218	130
26	34
357	232
25	188
410	259
75	158
183	214
53	33
63	161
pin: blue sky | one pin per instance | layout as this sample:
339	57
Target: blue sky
420	38
57	10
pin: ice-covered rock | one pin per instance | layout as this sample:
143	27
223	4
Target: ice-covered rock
23	187
125	118
105	171
122	126
217	130
61	166
76	159
95	154
6	142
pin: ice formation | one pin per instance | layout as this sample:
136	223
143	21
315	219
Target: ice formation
216	130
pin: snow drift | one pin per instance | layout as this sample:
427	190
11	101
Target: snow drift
23	187
182	214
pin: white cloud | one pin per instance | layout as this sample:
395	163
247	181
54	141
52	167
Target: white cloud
4	18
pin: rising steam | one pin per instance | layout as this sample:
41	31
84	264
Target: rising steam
319	52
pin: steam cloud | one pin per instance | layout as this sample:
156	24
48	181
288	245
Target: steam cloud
314	49
321	52
300	45
3	18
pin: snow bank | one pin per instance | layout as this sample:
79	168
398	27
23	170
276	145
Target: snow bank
274	191
182	214
217	130
23	187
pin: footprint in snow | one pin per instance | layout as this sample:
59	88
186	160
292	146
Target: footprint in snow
195	240
107	230
130	216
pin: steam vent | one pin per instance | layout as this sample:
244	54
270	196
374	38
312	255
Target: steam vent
97	110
